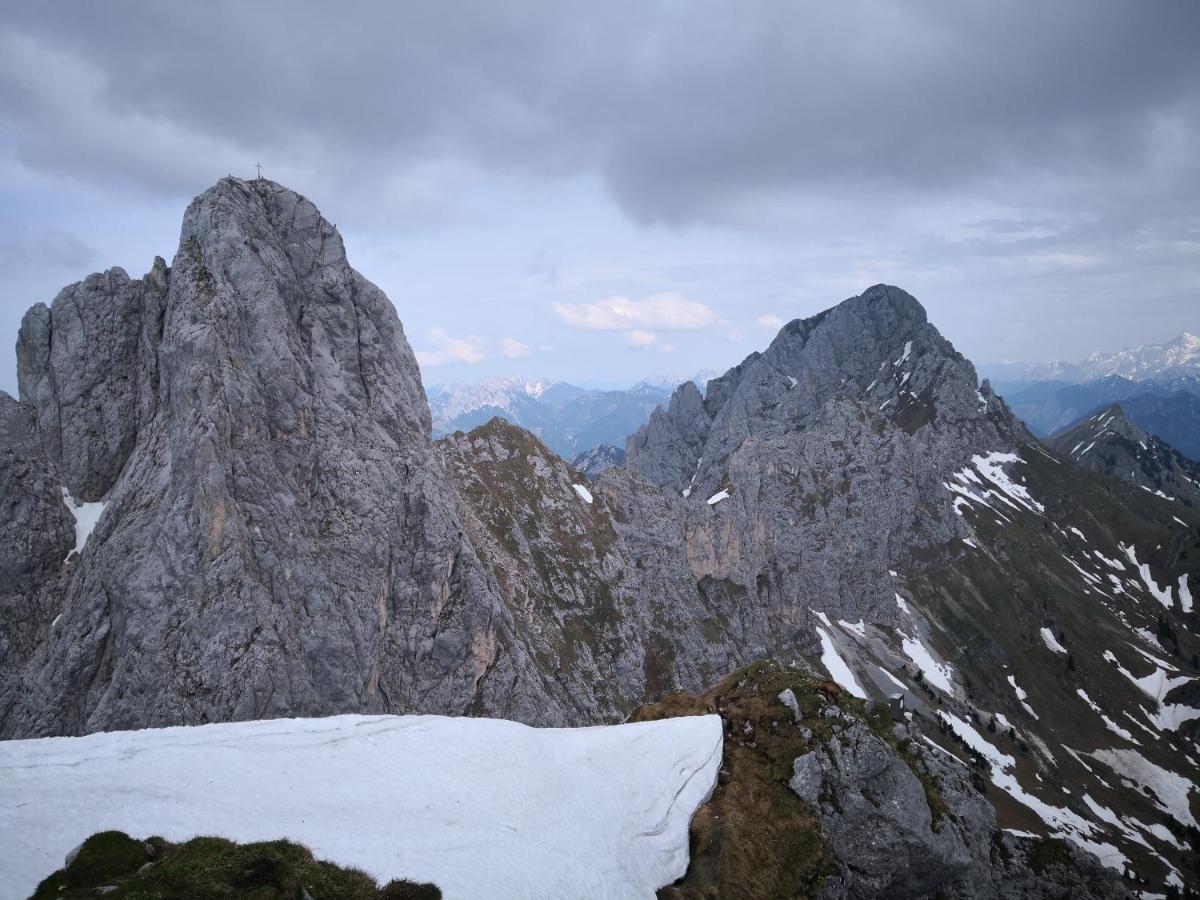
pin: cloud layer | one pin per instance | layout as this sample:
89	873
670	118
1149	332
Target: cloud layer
1030	170
687	113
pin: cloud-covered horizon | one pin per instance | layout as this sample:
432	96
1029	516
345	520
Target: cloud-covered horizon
1030	171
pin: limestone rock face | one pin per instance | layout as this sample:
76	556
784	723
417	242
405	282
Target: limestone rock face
280	540
878	822
36	530
832	446
598	459
88	367
880	826
597	579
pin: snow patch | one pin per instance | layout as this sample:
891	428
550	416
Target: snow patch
1051	641
838	670
86	516
1065	823
1108	723
892	678
859	627
717	497
905	354
1163	597
937	674
1021	696
584	494
991	467
1156	686
1170	790
481	807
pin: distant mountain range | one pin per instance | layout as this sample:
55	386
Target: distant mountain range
1157	386
1180	356
570	420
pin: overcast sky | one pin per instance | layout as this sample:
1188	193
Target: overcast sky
599	192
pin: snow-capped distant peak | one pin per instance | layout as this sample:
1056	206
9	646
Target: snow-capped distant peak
1180	355
458	399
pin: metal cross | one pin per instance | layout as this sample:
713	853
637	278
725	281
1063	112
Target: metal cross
258	166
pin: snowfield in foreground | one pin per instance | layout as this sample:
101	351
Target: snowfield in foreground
481	807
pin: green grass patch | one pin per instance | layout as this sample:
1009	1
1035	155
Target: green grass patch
210	867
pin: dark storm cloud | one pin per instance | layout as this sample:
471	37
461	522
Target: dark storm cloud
739	113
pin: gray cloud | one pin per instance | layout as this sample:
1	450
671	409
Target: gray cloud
708	111
1029	169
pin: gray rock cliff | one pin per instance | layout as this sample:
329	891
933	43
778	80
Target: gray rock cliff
277	539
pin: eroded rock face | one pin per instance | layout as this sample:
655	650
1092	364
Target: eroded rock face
280	540
832	445
36	534
36	529
598	578
598	459
1109	443
889	841
879	823
87	366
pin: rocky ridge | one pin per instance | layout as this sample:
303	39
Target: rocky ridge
281	536
596	460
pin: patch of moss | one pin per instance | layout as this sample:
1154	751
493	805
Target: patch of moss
209	867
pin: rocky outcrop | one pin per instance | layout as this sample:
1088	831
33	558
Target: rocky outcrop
36	529
853	804
832	446
88	367
887	838
36	534
596	574
279	539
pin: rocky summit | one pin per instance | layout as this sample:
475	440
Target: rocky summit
1109	442
222	501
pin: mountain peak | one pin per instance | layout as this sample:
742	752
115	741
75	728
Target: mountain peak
877	349
1178	356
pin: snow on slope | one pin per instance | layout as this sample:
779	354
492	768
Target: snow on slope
936	673
481	807
86	516
837	668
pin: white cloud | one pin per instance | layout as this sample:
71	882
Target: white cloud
667	311
513	349
639	338
448	349
770	321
